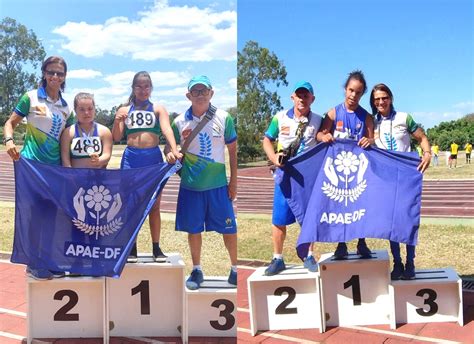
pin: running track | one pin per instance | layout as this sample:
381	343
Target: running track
440	198
13	308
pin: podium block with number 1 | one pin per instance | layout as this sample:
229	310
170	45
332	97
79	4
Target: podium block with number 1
355	290
147	299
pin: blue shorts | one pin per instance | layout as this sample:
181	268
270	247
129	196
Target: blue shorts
140	157
282	214
210	210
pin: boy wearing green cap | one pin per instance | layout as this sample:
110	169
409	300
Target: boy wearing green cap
285	128
205	198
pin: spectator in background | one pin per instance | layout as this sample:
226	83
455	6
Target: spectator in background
468	152
435	153
454	155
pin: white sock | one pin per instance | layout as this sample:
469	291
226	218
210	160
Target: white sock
234	268
310	253
197	267
278	256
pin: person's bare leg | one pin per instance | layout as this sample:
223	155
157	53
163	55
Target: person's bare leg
195	244
278	238
230	241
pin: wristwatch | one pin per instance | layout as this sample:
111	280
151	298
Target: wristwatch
6	139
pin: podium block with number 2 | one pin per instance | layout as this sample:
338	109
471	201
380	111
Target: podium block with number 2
71	307
288	300
355	291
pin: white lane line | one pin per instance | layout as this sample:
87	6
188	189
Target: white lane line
404	335
389	333
11	336
278	336
12	312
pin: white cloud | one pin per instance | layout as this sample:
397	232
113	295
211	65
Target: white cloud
83	74
467	106
169	90
179	33
233	83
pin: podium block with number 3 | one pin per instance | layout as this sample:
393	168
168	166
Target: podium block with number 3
435	295
211	310
70	307
147	299
355	291
288	300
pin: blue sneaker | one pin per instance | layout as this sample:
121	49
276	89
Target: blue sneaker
232	277
195	279
363	251
311	264
409	272
39	274
397	271
341	251
277	265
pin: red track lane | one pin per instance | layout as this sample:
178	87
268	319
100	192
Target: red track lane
440	198
422	333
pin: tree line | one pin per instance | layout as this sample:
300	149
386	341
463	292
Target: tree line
259	75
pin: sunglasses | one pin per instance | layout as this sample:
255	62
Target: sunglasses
53	73
378	100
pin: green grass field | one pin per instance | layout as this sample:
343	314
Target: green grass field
440	245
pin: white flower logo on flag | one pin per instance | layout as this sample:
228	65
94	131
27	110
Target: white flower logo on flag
346	163
98	200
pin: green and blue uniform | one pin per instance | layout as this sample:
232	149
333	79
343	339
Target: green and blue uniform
283	127
203	202
45	121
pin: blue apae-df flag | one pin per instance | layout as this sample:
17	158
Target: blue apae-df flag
81	220
341	192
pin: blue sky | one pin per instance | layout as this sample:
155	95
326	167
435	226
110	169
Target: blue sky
422	49
106	42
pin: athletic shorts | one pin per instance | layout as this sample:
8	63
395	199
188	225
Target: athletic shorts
454	156
210	210
140	157
282	214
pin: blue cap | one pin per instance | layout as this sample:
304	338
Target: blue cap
303	84
199	79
